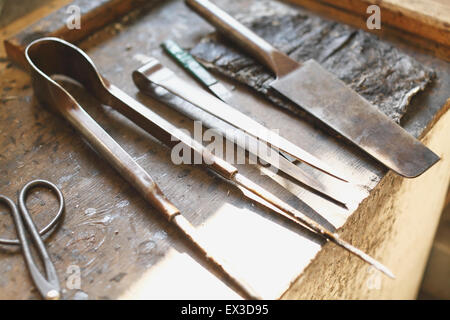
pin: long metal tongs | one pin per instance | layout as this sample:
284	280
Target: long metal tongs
49	56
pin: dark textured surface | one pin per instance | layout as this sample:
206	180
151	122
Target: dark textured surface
382	74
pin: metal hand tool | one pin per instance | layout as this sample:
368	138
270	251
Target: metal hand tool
169	81
327	98
188	62
144	76
47	286
49	56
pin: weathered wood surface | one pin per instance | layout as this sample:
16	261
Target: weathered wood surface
429	19
399	219
94	15
420	23
121	245
15	9
22	22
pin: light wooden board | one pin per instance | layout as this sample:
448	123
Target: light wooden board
26	20
425	23
400	219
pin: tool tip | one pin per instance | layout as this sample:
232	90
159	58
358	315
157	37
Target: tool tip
53	295
382	268
364	256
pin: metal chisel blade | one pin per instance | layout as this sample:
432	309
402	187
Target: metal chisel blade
225	95
337	190
327	98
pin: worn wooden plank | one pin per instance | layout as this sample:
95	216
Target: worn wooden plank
32	16
121	245
111	237
14	10
429	19
93	16
418	22
400	219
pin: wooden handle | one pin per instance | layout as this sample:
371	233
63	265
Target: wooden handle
264	52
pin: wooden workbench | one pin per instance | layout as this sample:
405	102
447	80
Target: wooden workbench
125	250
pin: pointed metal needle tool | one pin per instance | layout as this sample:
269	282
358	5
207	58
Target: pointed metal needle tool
286	210
189	63
226	170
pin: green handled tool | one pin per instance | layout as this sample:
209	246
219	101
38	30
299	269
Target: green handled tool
188	62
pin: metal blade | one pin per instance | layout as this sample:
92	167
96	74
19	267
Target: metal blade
221	92
198	71
234	101
327	98
168	80
339	191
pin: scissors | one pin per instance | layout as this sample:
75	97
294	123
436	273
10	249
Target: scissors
48	286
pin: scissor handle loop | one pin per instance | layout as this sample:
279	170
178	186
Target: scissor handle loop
22	206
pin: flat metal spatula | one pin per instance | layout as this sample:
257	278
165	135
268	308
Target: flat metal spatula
328	99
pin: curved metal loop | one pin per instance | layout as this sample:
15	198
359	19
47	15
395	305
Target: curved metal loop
24	211
14	212
53	56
